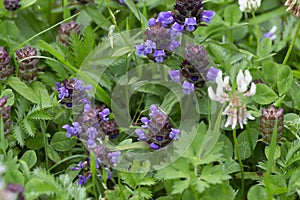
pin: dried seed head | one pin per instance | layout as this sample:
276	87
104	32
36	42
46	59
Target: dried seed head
293	7
268	120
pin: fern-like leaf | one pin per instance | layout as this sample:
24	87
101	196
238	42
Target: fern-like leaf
39	115
17	133
28	127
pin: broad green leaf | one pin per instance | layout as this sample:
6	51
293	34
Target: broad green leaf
41	93
244	145
264	94
257	192
278	184
277	152
285	79
264	48
232	14
136	12
219	191
30	158
268	71
35	143
10	97
60	142
52	154
23	89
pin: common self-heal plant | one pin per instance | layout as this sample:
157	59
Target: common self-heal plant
157	131
236	96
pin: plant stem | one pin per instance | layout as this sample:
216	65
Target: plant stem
257	29
291	45
236	147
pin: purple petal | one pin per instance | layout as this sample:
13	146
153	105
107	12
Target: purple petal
207	15
174	75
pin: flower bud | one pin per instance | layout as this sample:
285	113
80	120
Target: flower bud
65	30
28	65
11	4
5	69
268	120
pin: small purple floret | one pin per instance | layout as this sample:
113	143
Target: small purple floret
212	74
207	16
187	87
165	18
154	146
174	133
174	75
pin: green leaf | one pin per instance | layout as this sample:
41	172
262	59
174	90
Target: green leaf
276	154
268	71
18	135
52	154
257	192
27	3
244	145
60	142
14	176
35	143
136	12
264	95
41	93
30	158
10	97
180	186
232	14
23	89
39	115
219	191
285	79
264	48
28	127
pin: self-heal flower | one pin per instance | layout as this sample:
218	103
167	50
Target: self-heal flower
207	16
187	87
190	24
212	73
165	18
249	5
104	113
154	146
84	178
236	110
174	75
146	122
141	134
159	55
91	132
174	133
271	33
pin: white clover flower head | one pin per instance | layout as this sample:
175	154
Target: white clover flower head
236	110
249	5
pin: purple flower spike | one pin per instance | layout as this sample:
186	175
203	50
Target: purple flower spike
187	87
154	146
165	18
91	132
141	134
174	133
212	74
190	21
174	75
83	178
62	91
207	16
151	22
80	165
153	111
140	48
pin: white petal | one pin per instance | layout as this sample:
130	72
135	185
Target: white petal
226	81
228	122
212	94
219	80
249	116
273	29
248	77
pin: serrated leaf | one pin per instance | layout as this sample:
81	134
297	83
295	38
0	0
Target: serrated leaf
30	158
14	176
39	115
180	186
18	135
264	94
213	174
28	127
